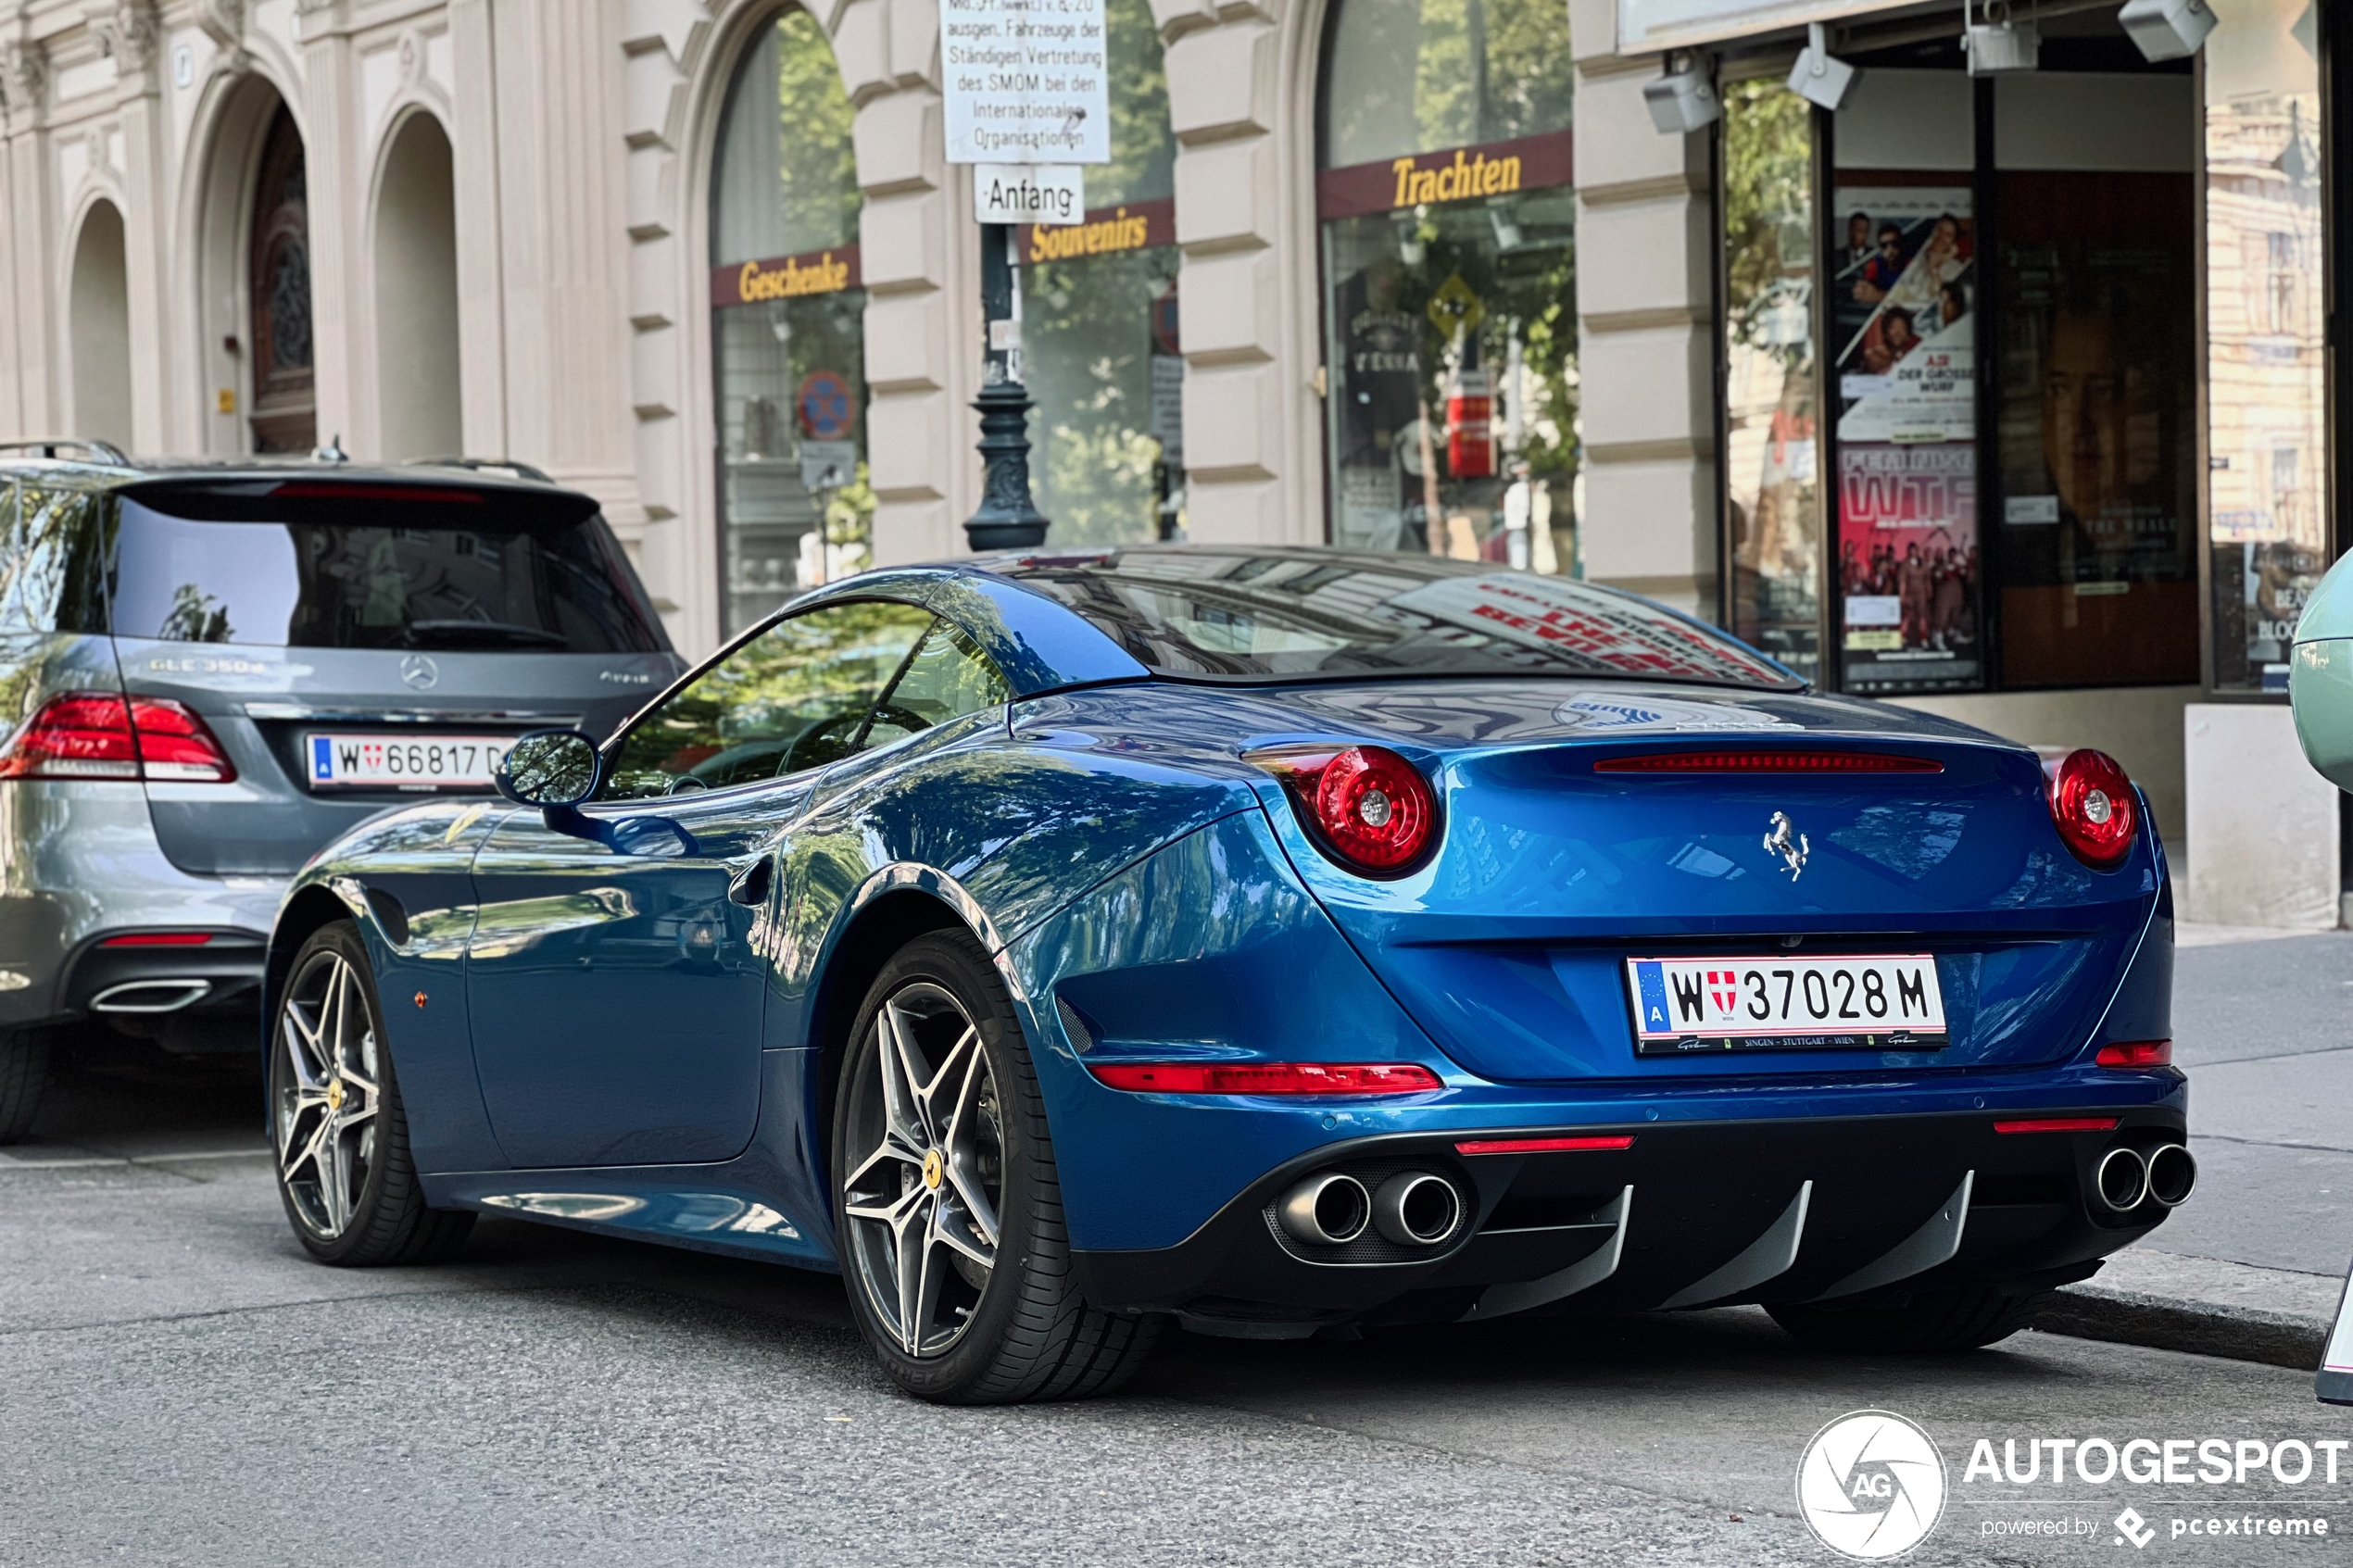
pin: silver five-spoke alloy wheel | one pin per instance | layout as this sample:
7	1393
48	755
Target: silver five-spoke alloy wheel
921	1204
327	1096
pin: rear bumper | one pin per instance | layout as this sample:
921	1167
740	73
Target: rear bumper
1690	1213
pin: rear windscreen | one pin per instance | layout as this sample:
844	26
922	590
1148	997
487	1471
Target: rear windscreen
1288	614
455	571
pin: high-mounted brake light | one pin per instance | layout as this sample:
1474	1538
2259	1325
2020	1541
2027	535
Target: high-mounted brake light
1365	806
299	490
2136	1053
1588	1145
1768	762
104	735
1266	1077
2092	804
2059	1124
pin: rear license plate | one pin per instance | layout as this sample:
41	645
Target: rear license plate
1887	1002
402	762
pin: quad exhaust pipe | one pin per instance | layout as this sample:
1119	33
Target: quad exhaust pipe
2125	1178
1410	1209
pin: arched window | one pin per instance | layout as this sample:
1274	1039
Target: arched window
99	310
1449	310
788	325
1098	307
284	396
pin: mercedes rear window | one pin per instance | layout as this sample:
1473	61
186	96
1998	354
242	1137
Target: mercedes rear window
1278	615
329	566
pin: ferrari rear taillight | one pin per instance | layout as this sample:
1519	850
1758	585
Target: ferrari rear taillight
1365	807
103	735
1266	1077
2092	804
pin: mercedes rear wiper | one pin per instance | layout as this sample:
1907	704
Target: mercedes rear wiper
454	634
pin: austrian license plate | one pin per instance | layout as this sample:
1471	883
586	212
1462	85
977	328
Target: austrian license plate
1886	1002
402	762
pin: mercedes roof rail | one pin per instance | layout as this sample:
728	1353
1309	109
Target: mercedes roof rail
56	447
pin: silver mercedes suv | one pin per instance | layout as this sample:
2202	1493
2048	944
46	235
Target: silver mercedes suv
209	670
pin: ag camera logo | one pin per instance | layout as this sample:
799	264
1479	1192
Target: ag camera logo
1871	1485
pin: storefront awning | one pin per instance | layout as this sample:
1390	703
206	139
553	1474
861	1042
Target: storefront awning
1647	26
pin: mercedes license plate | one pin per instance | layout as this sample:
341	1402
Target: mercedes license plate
403	761
1879	1002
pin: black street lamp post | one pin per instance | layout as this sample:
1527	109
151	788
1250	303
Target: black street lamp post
1008	517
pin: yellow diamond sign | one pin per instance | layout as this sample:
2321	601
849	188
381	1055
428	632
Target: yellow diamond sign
1454	309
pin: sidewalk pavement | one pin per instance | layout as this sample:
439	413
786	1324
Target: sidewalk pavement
2252	1266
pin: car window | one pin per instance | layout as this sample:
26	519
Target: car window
948	678
1271	614
409	567
51	576
794	698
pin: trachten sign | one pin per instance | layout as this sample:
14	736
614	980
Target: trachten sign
1025	81
1498	168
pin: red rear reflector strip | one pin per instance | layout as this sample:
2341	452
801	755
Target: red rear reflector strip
2059	1124
1539	1146
2136	1053
159	939
1768	762
1266	1077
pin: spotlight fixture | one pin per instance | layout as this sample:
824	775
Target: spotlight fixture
1820	77
1682	101
2168	30
1996	47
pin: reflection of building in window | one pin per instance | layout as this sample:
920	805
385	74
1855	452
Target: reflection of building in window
2265	371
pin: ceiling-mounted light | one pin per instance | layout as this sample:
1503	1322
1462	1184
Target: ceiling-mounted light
1820	77
1682	101
2168	30
1995	47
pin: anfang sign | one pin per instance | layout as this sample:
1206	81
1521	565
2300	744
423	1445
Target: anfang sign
1025	81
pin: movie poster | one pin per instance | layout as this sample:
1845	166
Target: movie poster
1903	328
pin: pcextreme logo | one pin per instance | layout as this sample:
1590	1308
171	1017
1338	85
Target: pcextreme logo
1871	1485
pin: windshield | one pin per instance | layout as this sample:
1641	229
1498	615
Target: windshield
454	572
1280	614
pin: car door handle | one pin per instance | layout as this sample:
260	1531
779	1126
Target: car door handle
750	885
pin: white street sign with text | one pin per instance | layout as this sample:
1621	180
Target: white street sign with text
1025	81
1028	193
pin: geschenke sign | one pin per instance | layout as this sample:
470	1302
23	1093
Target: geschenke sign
1025	81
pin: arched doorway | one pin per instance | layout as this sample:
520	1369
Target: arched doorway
788	325
284	414
99	310
418	384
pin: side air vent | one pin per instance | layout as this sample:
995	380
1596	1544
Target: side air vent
1074	1025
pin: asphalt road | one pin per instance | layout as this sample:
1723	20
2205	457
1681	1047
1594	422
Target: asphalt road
179	1385
2266	1031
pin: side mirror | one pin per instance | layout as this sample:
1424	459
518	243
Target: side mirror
550	769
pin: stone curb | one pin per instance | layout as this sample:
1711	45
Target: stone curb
2205	1305
2202	1328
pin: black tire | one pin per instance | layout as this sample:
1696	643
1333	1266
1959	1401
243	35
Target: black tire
1961	1318
360	1206
1025	1334
24	1078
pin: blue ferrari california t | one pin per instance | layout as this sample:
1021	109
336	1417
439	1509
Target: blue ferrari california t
1265	940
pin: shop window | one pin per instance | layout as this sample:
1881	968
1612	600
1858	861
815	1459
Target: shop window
1101	352
787	326
2265	376
1772	496
1449	268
